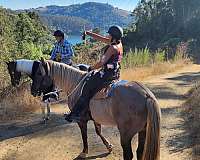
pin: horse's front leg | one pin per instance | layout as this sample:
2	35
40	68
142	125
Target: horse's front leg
48	111
83	127
43	112
105	141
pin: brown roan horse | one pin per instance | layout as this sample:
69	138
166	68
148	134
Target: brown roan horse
132	108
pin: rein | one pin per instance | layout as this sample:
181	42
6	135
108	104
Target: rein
83	79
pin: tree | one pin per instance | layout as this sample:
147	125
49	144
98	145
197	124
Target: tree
161	21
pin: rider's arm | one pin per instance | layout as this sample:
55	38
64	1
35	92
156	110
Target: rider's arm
53	53
98	37
67	51
110	51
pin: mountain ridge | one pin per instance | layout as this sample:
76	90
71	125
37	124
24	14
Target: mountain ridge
71	19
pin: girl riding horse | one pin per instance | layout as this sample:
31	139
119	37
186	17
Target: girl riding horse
109	66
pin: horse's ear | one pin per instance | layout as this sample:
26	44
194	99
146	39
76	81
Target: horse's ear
9	62
44	64
42	60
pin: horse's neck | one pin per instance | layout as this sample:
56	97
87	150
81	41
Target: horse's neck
66	78
24	66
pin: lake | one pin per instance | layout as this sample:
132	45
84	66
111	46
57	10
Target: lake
74	39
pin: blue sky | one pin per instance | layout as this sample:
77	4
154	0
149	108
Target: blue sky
25	4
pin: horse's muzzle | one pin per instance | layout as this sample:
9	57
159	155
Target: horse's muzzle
34	94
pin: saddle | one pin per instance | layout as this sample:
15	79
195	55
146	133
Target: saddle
107	91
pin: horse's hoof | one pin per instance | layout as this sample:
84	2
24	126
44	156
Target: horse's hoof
82	155
44	122
47	118
109	148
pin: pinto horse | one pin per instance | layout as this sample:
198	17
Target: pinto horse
132	107
29	67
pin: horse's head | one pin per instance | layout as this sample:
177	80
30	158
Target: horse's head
14	75
42	83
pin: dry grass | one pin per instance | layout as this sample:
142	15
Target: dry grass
17	103
191	115
141	73
4	77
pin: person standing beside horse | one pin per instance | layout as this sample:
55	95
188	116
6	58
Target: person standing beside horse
62	50
109	66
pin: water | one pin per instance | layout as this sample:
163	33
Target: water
74	39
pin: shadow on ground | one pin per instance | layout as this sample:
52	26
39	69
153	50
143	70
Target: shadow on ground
179	141
187	77
103	155
162	92
11	130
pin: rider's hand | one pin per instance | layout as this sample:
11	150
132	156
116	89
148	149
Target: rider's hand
88	32
83	35
89	69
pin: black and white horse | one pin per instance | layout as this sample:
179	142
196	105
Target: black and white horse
17	68
28	67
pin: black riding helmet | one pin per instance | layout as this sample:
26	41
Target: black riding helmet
116	32
58	33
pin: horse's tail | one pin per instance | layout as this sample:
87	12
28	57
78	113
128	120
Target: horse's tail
152	142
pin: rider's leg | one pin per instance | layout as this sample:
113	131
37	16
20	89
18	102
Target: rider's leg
88	92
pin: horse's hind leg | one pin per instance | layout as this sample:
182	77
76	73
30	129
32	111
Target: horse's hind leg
83	127
105	141
141	142
125	140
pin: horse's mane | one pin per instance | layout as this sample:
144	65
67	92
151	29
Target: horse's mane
67	78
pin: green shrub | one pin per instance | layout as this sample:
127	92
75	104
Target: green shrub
138	57
159	56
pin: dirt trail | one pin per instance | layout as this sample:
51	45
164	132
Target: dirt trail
171	90
30	140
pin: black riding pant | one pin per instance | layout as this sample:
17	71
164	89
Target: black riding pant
94	83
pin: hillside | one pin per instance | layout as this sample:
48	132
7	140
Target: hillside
72	18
